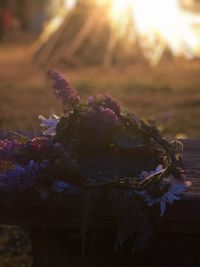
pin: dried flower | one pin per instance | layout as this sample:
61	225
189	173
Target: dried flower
90	100
40	144
8	147
63	88
102	119
107	101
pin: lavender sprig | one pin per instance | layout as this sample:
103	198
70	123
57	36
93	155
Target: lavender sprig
63	89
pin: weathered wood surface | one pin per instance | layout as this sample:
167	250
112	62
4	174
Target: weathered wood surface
53	224
63	210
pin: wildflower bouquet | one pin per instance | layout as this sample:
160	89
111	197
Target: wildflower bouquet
96	147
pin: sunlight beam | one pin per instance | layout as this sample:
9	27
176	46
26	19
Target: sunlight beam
160	24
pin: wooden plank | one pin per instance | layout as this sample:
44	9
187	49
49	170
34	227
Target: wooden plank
49	247
63	210
191	163
54	224
165	251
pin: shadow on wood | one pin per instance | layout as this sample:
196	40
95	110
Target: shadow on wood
55	227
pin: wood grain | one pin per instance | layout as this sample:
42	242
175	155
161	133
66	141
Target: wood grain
63	210
54	224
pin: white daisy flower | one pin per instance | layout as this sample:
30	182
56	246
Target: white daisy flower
175	189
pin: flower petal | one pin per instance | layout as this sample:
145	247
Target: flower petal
50	123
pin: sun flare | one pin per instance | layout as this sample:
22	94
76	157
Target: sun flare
155	25
160	24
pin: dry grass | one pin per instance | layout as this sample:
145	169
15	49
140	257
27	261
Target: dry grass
177	110
169	93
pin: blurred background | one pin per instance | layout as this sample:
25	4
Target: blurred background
144	52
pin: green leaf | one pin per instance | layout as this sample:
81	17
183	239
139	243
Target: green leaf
128	140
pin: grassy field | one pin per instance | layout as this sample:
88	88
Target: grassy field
175	110
169	93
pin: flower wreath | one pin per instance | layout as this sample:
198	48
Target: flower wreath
95	146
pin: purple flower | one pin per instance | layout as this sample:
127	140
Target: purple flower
102	119
8	147
4	146
107	101
50	123
63	88
21	177
90	100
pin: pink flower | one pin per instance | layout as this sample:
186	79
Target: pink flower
7	147
40	144
90	100
102	119
107	101
3	145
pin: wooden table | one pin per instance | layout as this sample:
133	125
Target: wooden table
53	225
